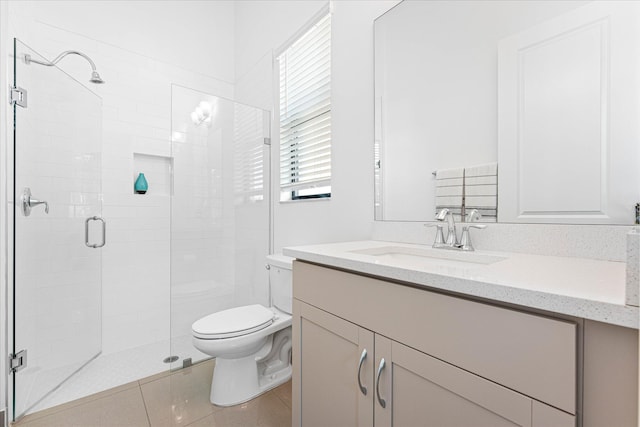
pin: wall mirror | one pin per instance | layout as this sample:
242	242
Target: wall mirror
525	110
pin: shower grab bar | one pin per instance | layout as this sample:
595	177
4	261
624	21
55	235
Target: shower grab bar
86	232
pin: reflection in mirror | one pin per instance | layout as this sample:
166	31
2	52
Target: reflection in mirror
524	110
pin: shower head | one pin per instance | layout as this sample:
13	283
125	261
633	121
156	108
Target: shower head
95	77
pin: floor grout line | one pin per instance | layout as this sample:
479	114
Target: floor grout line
279	394
144	402
198	420
281	400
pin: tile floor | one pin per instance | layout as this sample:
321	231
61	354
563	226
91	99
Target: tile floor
179	398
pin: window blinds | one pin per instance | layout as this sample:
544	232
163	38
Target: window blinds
305	112
248	157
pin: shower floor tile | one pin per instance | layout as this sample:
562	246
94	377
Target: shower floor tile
177	399
112	370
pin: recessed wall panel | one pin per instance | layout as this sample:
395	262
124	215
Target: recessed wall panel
563	111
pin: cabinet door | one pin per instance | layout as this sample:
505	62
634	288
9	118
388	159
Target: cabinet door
328	371
421	390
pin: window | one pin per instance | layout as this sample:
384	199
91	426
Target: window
305	115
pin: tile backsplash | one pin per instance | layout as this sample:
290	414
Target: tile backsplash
633	267
603	242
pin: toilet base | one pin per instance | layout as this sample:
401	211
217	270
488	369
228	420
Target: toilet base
239	380
239	389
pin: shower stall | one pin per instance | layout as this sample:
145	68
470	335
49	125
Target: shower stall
216	184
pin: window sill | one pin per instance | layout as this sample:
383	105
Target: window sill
318	199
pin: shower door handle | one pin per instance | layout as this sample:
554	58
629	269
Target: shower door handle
86	232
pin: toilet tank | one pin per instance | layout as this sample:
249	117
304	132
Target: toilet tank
281	281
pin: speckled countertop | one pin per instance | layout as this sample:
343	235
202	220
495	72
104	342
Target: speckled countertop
579	287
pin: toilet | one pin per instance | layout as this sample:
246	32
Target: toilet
252	343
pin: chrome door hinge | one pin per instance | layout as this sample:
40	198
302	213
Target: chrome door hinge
18	361
18	96
267	141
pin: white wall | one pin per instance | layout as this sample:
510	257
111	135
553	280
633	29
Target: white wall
349	213
194	35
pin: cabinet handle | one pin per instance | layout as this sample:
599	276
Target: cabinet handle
380	400
363	356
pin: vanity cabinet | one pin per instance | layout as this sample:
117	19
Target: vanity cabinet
416	389
448	361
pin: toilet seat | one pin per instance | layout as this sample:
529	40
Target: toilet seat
233	322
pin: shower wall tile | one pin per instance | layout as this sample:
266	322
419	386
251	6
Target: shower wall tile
136	119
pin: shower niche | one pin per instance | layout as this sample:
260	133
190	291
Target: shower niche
157	171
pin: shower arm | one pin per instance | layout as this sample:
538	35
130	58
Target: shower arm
28	59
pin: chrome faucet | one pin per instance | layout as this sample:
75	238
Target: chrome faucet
438	242
465	241
452	236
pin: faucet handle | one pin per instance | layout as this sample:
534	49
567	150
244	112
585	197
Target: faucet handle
28	202
439	240
473	216
480	226
442	214
465	241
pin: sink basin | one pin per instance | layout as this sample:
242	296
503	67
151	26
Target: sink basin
404	255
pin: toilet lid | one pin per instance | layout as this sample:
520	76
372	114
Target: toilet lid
233	322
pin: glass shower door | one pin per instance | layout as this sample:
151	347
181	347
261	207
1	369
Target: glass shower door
220	210
57	230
